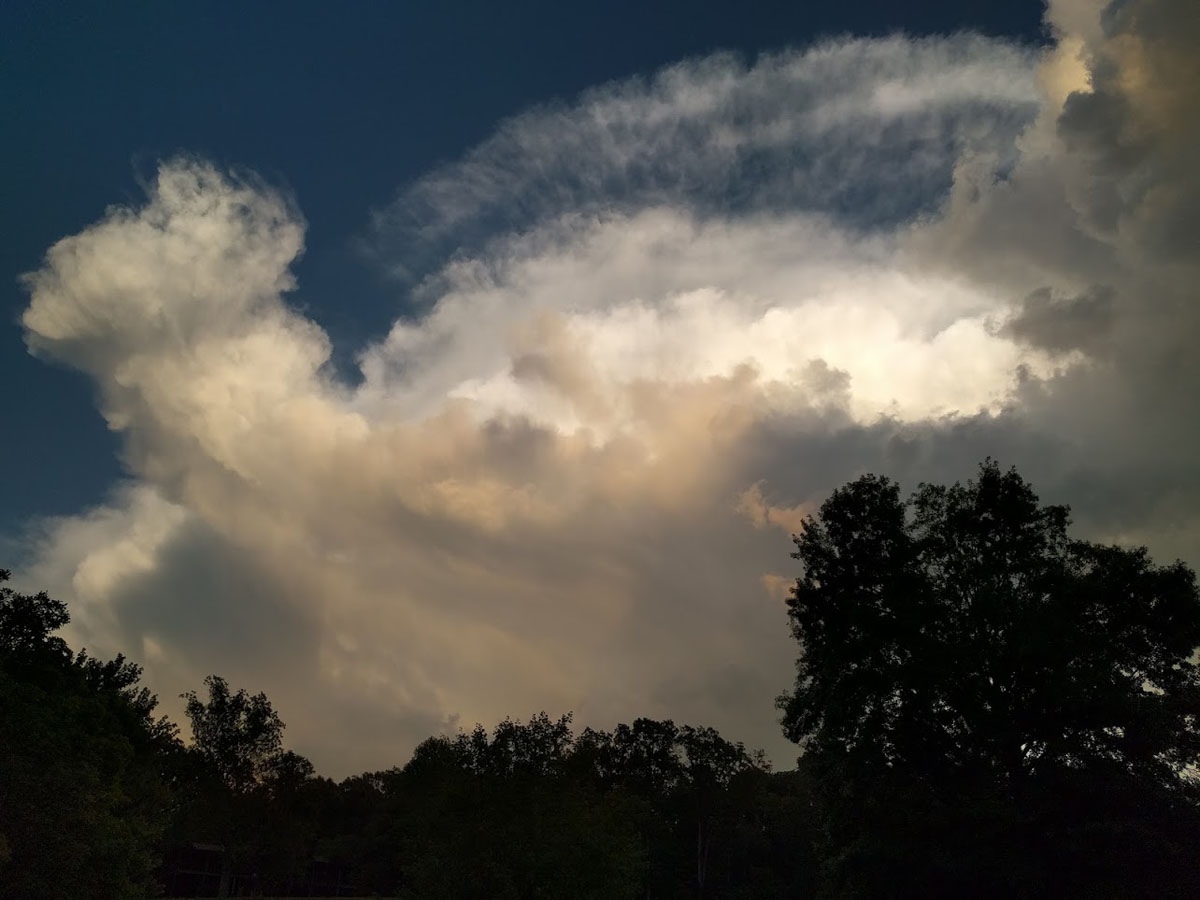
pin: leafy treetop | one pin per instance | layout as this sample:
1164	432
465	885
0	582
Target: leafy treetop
964	630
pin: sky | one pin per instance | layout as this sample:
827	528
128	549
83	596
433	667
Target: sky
426	364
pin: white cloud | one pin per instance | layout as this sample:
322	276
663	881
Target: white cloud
681	311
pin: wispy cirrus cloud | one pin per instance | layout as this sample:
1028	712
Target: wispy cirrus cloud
867	131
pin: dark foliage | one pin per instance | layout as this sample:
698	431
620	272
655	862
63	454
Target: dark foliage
531	810
84	766
246	795
989	706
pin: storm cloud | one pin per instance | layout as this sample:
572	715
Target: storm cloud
638	337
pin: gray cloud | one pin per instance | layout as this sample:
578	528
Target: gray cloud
1134	132
1103	195
1062	324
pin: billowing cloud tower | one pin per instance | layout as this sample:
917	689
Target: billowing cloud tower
642	334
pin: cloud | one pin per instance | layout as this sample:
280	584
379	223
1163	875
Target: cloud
663	323
1091	233
1062	324
866	129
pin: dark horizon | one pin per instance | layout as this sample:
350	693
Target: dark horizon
968	671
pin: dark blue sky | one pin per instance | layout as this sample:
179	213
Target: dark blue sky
342	104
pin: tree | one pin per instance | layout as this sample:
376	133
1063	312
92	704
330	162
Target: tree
27	622
83	788
507	816
682	779
238	735
237	739
960	652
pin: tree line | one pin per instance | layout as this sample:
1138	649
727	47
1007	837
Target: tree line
983	707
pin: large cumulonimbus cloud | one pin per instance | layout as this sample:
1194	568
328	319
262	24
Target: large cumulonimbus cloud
652	329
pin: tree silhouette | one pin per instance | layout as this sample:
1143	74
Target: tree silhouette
83	792
27	622
506	815
987	707
95	795
240	736
963	656
683	780
237	739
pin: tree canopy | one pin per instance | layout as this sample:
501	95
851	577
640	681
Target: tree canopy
986	707
84	794
960	644
238	734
